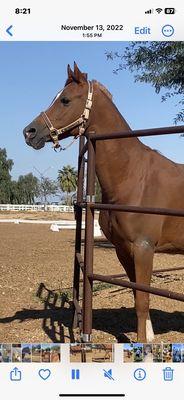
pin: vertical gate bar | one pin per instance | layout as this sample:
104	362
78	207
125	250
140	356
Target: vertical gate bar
83	353
78	232
88	246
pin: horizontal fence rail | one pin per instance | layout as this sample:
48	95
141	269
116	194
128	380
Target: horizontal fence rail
140	287
139	210
171	130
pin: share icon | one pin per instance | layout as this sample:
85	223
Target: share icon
108	374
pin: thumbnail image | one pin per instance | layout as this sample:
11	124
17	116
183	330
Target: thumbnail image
6	353
137	352
176	352
55	353
1	357
167	353
16	353
80	352
157	352
182	352
128	352
45	353
102	352
147	353
36	352
26	352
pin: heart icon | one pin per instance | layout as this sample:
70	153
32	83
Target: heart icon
44	373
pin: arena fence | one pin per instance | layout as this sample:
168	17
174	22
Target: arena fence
84	264
36	207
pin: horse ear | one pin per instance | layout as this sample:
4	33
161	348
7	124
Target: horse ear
71	76
79	76
69	71
76	75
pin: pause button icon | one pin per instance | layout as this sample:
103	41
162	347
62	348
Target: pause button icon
75	374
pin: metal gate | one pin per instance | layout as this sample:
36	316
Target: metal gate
83	315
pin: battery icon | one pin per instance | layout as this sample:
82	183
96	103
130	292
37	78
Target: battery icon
170	10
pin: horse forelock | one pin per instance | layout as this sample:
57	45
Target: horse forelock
68	81
72	78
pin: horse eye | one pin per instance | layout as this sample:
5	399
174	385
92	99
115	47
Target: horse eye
65	100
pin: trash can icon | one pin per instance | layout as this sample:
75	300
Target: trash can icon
168	374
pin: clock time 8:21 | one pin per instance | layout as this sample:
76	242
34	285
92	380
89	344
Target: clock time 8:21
22	11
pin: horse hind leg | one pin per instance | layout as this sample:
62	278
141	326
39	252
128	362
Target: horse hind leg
143	258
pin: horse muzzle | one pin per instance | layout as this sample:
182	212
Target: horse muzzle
33	137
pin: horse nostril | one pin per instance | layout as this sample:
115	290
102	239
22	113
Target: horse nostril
31	133
32	130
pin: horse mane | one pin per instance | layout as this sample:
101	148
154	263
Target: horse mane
103	89
158	151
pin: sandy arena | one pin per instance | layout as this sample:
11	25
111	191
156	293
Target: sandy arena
35	289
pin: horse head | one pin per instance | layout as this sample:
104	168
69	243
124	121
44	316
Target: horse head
67	115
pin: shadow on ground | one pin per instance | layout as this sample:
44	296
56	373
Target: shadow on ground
57	314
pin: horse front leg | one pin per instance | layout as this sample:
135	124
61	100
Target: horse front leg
143	258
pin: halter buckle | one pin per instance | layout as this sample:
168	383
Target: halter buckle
57	147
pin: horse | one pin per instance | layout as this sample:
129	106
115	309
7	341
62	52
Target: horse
129	172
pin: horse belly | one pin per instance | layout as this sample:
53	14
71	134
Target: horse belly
172	237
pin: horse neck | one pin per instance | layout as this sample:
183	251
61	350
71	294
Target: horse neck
116	157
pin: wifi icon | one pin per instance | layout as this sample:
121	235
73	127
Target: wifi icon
159	10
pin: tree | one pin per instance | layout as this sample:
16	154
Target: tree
67	178
47	187
27	189
158	63
22	191
15	195
5	177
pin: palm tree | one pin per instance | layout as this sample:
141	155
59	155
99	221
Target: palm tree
67	178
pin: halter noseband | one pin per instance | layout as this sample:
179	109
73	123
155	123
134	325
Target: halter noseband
80	122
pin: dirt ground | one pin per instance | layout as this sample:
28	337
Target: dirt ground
35	290
34	215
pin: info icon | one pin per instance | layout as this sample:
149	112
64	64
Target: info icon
139	374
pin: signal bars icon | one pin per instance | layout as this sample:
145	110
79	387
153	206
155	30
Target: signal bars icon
149	11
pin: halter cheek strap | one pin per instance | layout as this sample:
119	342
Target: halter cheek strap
80	122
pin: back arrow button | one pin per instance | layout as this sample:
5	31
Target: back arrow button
8	30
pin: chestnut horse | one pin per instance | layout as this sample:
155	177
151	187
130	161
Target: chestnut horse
129	173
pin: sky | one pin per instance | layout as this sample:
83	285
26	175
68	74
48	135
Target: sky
33	72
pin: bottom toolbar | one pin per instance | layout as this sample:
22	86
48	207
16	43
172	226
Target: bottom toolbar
90	380
95	371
